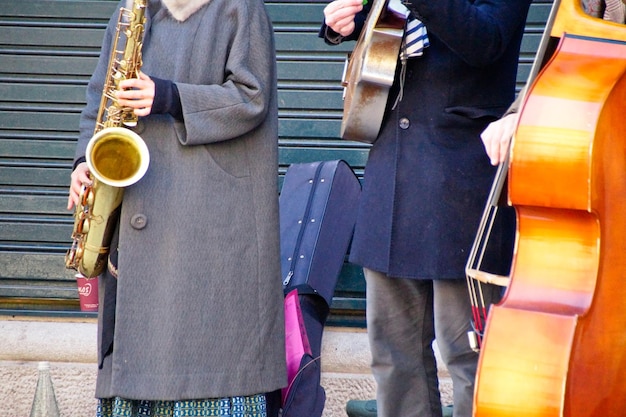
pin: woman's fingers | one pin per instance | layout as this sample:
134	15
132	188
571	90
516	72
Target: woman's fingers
78	179
137	93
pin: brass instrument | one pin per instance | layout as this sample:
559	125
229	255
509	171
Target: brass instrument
116	156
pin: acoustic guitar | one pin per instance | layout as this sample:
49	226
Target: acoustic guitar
370	69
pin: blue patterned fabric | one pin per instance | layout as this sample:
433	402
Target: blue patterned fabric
415	39
250	406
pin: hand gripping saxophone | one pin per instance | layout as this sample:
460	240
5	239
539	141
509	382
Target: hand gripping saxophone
116	156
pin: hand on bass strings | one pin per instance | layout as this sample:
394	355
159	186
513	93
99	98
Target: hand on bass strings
137	93
339	15
497	137
79	178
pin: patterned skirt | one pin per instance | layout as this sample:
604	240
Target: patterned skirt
249	406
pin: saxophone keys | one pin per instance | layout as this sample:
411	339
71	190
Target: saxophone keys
82	223
86	196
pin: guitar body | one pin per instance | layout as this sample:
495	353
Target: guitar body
370	71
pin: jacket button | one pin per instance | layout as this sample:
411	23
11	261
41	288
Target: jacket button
404	123
138	221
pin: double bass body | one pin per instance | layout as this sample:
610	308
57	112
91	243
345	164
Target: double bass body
556	343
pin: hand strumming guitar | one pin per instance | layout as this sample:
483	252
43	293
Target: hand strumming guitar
339	15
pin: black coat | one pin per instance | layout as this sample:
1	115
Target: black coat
428	177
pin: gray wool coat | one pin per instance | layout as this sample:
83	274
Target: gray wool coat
197	309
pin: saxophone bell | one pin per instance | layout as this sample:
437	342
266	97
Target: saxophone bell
117	158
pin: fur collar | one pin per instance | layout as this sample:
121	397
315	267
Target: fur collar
182	9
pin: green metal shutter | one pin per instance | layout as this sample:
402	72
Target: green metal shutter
48	49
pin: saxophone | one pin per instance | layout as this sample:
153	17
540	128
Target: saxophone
116	156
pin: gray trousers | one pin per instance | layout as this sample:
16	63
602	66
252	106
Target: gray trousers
404	316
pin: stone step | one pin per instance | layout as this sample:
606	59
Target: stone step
70	347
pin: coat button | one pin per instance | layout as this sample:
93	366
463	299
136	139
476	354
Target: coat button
404	123
138	221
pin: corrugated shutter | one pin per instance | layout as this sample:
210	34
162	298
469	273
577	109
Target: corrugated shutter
47	52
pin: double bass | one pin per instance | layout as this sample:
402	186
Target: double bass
555	345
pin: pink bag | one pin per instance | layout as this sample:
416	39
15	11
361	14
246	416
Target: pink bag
296	340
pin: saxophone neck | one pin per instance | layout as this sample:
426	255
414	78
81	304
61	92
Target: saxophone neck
125	63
